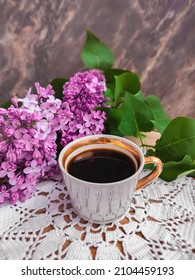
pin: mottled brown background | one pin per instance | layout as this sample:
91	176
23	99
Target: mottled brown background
40	40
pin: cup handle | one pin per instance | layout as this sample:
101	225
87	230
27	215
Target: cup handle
151	176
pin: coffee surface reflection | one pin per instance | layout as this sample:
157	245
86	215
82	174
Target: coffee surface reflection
101	166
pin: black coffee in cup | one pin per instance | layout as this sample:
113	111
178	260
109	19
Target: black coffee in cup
101	166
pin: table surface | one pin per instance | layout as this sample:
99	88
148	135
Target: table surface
160	224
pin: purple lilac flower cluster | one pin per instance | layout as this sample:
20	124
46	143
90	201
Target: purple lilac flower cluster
83	94
28	131
28	142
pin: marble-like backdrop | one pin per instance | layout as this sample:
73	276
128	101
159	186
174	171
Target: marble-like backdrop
40	40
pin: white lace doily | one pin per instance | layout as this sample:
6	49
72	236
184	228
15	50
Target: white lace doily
160	225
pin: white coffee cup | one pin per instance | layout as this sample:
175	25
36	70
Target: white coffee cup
105	202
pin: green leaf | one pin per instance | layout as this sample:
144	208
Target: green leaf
58	86
176	169
161	119
95	54
139	95
136	116
113	120
108	94
177	140
125	82
111	73
192	174
150	152
6	104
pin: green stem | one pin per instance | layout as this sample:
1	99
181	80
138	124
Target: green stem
144	145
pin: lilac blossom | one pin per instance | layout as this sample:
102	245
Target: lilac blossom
4	195
28	150
85	91
83	94
29	127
